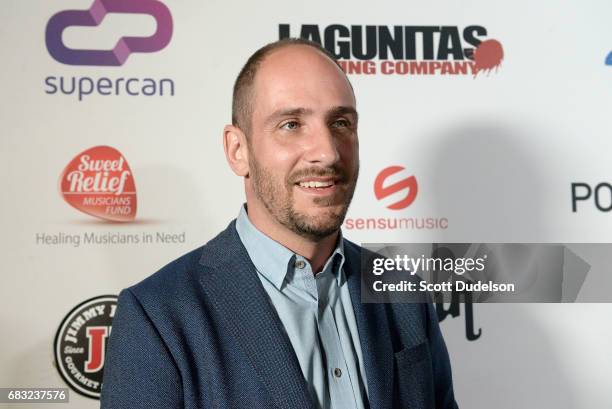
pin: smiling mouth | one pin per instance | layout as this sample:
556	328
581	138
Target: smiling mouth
316	184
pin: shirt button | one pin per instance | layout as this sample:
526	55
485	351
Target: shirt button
337	372
300	264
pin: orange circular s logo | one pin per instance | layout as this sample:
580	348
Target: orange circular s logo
408	184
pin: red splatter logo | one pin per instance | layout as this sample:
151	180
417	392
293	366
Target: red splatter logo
488	55
408	185
99	182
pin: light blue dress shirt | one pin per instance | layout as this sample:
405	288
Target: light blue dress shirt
317	314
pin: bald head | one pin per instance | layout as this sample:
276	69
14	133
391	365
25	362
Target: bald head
244	94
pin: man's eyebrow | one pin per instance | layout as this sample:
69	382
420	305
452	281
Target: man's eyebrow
333	112
342	110
281	113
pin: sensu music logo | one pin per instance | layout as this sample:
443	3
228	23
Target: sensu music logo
406	50
408	186
396	189
117	56
80	344
100	183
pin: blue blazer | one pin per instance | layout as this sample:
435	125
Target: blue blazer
201	333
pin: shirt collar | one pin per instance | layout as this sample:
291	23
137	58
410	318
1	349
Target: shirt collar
272	259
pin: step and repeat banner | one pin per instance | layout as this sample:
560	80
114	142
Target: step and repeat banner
479	123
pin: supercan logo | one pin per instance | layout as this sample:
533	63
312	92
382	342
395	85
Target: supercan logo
406	188
80	344
93	17
100	183
405	50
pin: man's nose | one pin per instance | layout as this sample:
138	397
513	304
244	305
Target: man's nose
322	146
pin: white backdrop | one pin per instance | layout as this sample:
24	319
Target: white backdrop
495	155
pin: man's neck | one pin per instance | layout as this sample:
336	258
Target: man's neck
316	251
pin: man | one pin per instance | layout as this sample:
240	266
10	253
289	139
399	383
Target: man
268	313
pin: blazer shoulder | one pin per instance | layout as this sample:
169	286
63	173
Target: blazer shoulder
169	277
182	274
357	253
351	249
405	315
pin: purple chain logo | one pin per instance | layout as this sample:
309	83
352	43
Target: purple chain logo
93	17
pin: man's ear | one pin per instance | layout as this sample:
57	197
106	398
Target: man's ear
236	150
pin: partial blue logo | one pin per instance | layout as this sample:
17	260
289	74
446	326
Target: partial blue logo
609	59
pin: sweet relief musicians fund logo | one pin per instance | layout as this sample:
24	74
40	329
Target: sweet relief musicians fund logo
117	56
100	183
405	50
396	190
80	344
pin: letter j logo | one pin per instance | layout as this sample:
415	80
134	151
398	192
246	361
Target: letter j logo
93	17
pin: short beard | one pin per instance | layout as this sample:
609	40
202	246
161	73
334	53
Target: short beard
280	204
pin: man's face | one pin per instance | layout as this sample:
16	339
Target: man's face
303	146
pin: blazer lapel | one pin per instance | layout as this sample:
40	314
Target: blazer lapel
374	336
235	291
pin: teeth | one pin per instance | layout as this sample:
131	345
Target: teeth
313	184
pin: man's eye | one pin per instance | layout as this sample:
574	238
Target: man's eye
290	125
341	123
